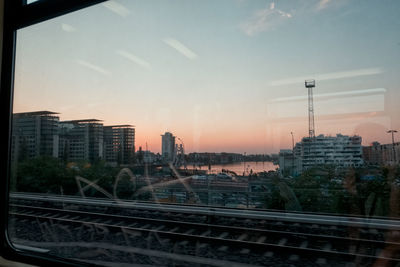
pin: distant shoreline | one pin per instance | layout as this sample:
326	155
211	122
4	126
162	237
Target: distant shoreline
237	167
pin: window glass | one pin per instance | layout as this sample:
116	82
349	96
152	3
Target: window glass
209	133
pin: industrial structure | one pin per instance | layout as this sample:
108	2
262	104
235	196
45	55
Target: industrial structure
180	159
340	150
310	84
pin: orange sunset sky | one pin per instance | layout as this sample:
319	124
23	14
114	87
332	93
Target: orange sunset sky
223	77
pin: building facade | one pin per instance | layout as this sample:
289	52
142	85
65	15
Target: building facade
34	134
41	133
289	163
339	150
382	154
119	144
168	150
81	140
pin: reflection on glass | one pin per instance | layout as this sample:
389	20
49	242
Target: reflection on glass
31	1
182	132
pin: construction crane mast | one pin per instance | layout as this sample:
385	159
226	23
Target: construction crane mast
310	84
180	154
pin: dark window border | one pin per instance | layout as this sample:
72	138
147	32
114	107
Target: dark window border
17	15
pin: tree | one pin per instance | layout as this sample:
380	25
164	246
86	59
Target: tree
44	175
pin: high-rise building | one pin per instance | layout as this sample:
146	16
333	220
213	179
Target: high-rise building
81	140
34	134
168	151
119	144
339	150
40	133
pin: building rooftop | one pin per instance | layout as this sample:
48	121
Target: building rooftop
82	121
36	113
119	126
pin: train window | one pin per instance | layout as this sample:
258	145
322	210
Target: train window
212	133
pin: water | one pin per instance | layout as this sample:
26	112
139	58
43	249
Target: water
240	167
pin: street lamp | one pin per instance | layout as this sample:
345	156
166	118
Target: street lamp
394	151
244	171
292	153
244	163
292	141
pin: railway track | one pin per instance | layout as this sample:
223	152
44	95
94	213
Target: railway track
247	237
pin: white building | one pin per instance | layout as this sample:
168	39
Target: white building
339	150
168	146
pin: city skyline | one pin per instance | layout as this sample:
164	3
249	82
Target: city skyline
169	145
224	77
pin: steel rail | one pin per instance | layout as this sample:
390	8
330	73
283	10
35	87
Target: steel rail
222	228
93	218
372	223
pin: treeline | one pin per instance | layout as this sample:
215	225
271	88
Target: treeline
224	158
369	191
55	176
362	192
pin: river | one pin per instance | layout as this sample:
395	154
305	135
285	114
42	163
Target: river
240	167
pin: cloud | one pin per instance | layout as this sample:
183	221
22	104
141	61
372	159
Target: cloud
94	67
141	62
322	4
333	105
284	14
329	76
263	20
67	27
181	48
352	93
117	8
272	6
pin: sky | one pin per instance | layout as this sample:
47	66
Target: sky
223	76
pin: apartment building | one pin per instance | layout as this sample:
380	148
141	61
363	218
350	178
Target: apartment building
340	150
81	140
119	144
382	154
34	134
41	133
168	150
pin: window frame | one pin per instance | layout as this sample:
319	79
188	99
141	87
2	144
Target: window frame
18	14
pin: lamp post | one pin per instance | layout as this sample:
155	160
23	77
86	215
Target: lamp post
292	153
244	163
394	151
244	172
